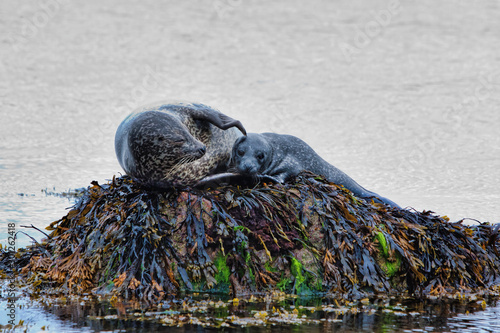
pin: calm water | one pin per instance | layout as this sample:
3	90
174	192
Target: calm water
403	96
386	316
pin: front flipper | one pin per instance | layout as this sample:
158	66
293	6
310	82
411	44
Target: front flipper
225	178
218	179
217	118
389	202
269	178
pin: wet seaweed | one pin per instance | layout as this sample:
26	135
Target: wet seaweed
303	237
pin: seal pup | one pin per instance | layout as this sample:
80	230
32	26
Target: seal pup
175	144
285	156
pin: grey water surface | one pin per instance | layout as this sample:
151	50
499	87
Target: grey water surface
404	96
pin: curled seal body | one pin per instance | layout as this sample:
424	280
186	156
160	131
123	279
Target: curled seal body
175	144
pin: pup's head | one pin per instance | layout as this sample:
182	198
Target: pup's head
251	154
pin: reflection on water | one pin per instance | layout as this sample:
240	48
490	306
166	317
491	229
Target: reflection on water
38	319
485	321
314	314
411	114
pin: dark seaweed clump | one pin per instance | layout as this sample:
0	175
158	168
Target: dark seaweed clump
304	237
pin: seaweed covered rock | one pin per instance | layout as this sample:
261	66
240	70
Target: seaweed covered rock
302	237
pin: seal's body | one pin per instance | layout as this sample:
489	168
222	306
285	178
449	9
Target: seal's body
285	156
175	144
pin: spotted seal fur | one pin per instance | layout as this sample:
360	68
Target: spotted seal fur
285	156
175	144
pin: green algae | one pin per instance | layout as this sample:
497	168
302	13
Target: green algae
391	262
284	284
223	271
296	270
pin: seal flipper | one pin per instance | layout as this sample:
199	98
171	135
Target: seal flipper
225	178
269	178
219	178
216	118
379	199
388	202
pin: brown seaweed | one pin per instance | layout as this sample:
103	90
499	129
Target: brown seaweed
303	237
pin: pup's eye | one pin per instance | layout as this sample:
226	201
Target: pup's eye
241	152
260	156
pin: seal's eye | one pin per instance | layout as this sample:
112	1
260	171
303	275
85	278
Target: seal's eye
178	141
260	156
241	152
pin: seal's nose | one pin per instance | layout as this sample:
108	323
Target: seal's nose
202	150
248	169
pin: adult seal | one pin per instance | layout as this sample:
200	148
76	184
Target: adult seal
175	144
282	157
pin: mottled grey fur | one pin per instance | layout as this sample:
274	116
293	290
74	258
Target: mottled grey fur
175	144
285	156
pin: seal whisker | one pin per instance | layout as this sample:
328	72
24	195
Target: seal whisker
175	167
256	178
182	162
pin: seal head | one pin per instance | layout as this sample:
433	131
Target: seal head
175	144
251	155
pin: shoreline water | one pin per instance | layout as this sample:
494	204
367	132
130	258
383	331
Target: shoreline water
260	313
